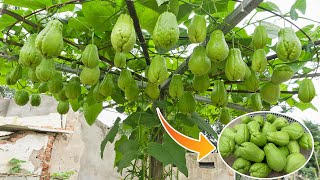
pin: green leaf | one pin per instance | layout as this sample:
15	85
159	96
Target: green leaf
303	106
212	7
142	118
169	153
160	2
91	109
75	104
126	151
5	21
34	4
293	14
270	6
110	136
300	5
147	15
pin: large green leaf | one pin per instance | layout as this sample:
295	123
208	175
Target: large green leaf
298	5
110	136
269	6
126	151
169	152
142	118
32	4
6	21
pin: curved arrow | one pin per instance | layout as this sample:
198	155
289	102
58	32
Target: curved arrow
202	146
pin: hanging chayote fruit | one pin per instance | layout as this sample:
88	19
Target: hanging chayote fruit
259	37
217	48
289	46
197	30
199	64
235	68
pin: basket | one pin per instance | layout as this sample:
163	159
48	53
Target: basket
230	159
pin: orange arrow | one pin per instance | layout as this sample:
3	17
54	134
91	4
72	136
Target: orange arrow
202	146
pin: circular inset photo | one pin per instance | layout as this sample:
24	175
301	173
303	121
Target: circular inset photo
264	145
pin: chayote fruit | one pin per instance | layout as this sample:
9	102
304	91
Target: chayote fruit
268	127
276	160
55	84
219	96
123	35
288	46
226	146
45	70
241	165
63	107
166	31
225	116
256	102
90	56
253	126
294	130
305	141
90	76
217	48
125	79
29	55
278	138
242	134
236	151
187	103
35	100
73	88
199	64
229	132
259	119
201	83
259	61
61	96
236	127
261	170
246	119
16	74
152	90
293	147
270	92
43	87
284	150
247	73
157	72
21	97
306	91
96	93
120	60
107	85
132	91
32	75
197	30
271	118
258	138
235	68
282	74
280	122
294	162
252	83
176	88
50	40
259	37
251	152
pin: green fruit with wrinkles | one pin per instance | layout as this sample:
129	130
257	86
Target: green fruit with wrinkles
63	107
294	162
276	160
152	90
157	72
251	152
43	87
166	31
259	119
50	40
256	102
253	126
242	135
293	147
107	85
225	116
32	75
252	83
258	139
306	91
21	97
9	81
235	67
230	132
284	150
201	83
217	48
260	170
270	92
55	84
294	130
90	56
219	96
35	100
197	30
259	61
90	76
279	138
271	118
120	60
45	70
241	165
280	122
246	120
305	141
199	64
125	79
282	74
259	37
73	88
288	47
268	127
226	146
123	35
176	88
29	55
187	103
16	74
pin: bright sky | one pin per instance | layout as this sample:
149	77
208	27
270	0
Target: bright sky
108	116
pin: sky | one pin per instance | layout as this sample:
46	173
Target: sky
108	116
